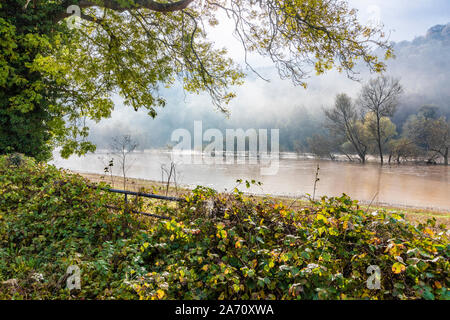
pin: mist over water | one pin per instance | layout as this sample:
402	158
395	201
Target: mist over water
422	65
401	185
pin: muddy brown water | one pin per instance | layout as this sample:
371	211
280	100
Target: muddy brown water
418	186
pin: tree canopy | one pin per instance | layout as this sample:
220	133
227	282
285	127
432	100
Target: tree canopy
53	78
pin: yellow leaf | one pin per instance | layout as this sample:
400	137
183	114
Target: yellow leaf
429	232
160	293
398	268
322	217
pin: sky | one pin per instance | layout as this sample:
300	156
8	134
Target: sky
406	18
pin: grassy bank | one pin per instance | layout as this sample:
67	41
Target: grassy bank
216	246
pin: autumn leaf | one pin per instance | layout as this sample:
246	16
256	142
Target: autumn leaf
160	293
398	268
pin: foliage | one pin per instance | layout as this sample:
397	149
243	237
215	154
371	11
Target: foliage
403	148
50	219
378	131
267	251
217	246
25	102
323	146
429	134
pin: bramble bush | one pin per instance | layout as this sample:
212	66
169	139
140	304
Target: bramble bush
217	246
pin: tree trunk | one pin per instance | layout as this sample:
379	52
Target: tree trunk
379	139
446	157
363	158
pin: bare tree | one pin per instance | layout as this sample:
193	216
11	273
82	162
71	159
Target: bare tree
343	120
121	147
380	96
171	175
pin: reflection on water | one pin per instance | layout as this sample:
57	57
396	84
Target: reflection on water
408	185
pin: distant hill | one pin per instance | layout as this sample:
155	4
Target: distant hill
439	32
424	68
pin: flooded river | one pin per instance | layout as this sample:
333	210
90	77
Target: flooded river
401	185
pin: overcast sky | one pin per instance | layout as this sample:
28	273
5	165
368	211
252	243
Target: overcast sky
406	18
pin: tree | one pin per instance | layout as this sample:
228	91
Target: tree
378	132
343	120
429	111
322	146
432	135
380	96
122	147
402	148
61	77
25	117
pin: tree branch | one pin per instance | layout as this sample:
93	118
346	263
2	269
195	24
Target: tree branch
148	4
116	6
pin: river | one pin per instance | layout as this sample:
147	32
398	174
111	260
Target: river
416	186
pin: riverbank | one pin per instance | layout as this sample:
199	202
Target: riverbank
417	215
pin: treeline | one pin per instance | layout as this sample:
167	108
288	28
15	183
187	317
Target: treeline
362	127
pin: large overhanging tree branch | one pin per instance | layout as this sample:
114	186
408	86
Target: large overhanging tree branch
158	6
121	6
133	48
294	34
